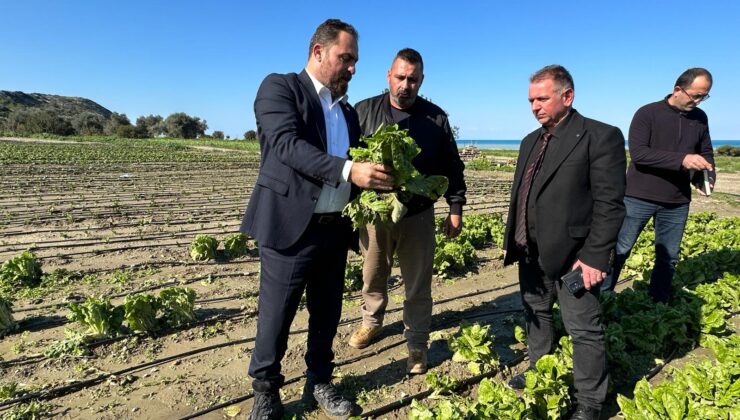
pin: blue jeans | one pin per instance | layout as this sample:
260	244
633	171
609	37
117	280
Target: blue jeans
669	221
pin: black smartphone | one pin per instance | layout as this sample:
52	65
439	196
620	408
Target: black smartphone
573	281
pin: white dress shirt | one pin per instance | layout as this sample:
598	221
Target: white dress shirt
337	144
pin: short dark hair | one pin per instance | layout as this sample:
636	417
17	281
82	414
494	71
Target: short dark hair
686	78
562	78
328	32
409	55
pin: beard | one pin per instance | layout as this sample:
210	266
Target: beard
339	83
404	98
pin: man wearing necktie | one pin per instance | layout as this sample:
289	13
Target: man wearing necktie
565	212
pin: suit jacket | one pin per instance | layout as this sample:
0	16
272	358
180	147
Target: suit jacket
294	163
578	195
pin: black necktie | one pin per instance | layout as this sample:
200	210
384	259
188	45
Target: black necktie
520	235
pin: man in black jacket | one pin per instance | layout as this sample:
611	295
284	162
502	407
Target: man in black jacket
412	238
305	129
566	209
668	140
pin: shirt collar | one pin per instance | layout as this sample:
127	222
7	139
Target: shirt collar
561	127
673	108
323	91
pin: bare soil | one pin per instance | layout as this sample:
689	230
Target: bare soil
132	232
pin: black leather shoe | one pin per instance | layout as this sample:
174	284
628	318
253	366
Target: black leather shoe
267	406
331	402
585	413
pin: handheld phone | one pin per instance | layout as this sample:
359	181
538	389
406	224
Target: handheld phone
573	281
707	188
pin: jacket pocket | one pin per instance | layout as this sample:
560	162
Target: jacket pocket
578	231
273	184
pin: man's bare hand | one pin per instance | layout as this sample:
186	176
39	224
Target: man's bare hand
452	225
696	162
591	276
371	175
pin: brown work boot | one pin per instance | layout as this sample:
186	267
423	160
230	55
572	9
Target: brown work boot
417	362
364	336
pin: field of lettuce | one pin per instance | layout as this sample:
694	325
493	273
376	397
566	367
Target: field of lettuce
126	293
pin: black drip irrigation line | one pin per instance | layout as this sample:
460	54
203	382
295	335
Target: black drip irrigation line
654	371
292	380
109	250
406	400
67	389
140	290
79	201
111	227
140	204
187	211
129	191
235	317
172	263
193	206
28	326
351	360
132	193
75	242
475	380
77	214
464	384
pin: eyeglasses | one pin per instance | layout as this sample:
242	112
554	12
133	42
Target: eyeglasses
696	98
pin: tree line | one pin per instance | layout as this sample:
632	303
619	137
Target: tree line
26	122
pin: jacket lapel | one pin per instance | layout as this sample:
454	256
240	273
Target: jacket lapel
315	110
568	141
524	151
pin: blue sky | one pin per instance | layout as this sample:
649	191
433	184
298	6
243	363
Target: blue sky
208	58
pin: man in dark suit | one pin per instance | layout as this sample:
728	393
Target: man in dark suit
565	212
305	128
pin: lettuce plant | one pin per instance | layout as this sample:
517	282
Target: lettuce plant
7	323
178	304
396	149
141	312
203	248
20	271
101	318
235	245
474	344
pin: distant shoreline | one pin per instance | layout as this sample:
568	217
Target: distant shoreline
514	144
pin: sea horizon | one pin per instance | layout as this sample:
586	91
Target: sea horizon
514	144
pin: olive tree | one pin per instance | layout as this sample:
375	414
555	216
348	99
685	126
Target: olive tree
88	124
151	125
116	120
181	125
34	121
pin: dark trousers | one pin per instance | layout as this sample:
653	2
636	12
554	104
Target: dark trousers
669	221
315	264
582	318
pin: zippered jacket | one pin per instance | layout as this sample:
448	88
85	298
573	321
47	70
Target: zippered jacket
429	127
660	137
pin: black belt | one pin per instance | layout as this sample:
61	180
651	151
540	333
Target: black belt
326	218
